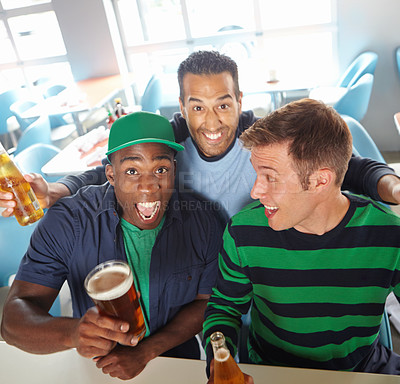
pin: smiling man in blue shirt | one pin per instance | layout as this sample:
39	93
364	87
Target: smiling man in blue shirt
170	239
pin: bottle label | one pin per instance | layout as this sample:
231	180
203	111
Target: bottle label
33	199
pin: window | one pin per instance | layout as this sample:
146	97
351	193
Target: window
294	39
31	43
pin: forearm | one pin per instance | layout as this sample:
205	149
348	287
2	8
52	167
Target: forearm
389	189
92	177
56	192
185	325
363	177
33	330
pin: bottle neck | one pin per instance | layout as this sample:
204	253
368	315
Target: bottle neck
221	351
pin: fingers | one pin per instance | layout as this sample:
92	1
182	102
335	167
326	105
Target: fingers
98	335
124	363
6	212
7	198
89	350
30	177
7	204
248	379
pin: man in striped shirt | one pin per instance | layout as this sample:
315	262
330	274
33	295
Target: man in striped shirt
314	264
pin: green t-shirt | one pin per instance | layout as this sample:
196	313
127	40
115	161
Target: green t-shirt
138	246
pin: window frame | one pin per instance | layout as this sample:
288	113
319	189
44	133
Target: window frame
190	43
19	63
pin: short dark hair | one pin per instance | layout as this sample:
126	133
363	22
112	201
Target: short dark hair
208	63
316	133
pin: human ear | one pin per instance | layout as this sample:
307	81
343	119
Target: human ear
240	101
182	108
175	164
324	177
110	174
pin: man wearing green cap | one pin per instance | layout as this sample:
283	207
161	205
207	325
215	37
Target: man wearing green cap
171	241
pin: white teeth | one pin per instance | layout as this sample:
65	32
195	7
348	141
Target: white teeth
147	218
148	204
270	208
155	205
213	136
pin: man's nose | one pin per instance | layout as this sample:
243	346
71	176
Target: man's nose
212	121
259	190
148	184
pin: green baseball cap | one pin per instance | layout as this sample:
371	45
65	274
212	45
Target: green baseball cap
141	127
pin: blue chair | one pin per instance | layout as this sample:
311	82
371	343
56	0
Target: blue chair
355	101
364	63
53	90
38	132
18	108
7	98
385	336
398	59
362	141
152	96
61	130
14	241
33	158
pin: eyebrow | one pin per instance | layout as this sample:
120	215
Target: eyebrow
139	158
265	167
271	168
196	100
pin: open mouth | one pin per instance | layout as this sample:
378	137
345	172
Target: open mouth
148	210
270	211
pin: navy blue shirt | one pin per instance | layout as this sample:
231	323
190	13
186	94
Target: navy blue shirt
83	230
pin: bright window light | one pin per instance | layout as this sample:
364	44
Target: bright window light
13	4
207	17
37	35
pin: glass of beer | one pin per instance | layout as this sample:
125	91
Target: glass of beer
110	285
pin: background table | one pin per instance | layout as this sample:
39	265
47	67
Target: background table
18	367
70	161
85	95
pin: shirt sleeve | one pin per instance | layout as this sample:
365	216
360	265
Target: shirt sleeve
51	245
213	239
231	298
95	176
363	175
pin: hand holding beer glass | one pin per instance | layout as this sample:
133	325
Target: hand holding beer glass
110	285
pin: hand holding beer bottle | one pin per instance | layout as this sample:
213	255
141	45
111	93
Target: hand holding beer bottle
224	369
27	209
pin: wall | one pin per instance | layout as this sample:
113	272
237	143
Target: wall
86	35
374	25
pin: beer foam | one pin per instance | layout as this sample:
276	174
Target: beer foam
221	355
116	291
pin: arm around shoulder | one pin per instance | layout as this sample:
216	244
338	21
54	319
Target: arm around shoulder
372	178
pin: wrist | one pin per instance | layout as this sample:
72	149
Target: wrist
56	192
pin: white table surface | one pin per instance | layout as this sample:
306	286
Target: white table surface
70	161
328	95
68	367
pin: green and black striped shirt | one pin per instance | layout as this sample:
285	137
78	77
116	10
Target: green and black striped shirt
317	301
